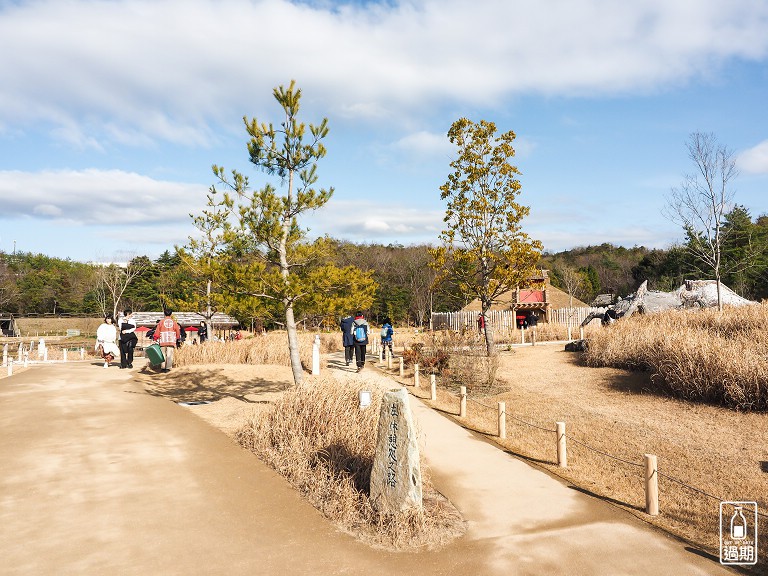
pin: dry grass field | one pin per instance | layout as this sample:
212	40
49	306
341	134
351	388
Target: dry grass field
612	418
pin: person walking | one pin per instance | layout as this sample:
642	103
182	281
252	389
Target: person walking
128	339
106	335
360	338
202	332
167	334
386	336
346	338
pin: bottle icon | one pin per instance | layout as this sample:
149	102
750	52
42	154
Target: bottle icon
738	525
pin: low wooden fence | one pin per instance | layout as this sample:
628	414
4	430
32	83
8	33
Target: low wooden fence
505	319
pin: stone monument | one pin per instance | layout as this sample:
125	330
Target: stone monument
396	473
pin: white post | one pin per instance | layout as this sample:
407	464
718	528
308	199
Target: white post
10	367
5	355
82	353
26	358
522	335
401	367
581	332
569	333
316	356
389	359
651	485
45	354
416	375
562	454
463	402
502	420
432	387
21	350
65	354
533	336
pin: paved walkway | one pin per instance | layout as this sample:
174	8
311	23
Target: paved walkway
98	477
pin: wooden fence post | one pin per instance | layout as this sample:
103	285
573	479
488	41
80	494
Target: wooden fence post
416	375
502	420
432	387
651	484
533	336
82	353
581	332
402	369
463	402
389	359
316	356
562	453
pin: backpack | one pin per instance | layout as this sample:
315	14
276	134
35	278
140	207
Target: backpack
359	333
384	332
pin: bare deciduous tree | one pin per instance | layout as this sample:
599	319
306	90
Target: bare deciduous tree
113	281
703	200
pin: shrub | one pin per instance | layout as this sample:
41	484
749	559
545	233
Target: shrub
700	355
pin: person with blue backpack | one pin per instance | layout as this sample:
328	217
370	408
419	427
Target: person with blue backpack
360	338
386	336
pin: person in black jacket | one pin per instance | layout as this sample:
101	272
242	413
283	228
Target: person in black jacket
128	338
360	339
347	339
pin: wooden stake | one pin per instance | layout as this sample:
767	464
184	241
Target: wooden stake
562	452
651	484
463	402
416	375
433	387
502	420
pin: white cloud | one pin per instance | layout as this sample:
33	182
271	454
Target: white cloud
98	197
425	144
133	70
382	222
755	159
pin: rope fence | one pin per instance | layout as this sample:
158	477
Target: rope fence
649	464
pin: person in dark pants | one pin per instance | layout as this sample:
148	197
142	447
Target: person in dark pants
128	339
346	338
202	332
360	337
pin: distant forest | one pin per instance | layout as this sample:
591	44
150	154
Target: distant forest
39	284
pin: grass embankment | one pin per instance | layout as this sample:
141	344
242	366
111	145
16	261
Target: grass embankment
699	355
318	438
270	348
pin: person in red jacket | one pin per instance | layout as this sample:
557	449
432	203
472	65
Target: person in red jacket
167	333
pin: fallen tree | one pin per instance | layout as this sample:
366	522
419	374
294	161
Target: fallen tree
691	294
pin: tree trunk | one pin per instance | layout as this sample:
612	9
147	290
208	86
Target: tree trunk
490	349
293	345
719	295
290	322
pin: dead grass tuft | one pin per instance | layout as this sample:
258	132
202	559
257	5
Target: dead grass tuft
698	355
317	437
270	348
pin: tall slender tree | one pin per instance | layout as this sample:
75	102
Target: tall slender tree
290	151
484	244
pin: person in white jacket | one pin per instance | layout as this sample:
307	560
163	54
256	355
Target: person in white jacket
106	335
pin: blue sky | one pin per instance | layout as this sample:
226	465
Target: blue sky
112	112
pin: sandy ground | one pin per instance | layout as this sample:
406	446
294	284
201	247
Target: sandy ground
715	450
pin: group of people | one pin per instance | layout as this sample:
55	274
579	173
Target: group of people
119	338
354	330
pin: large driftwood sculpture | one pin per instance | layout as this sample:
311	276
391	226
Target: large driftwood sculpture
691	294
